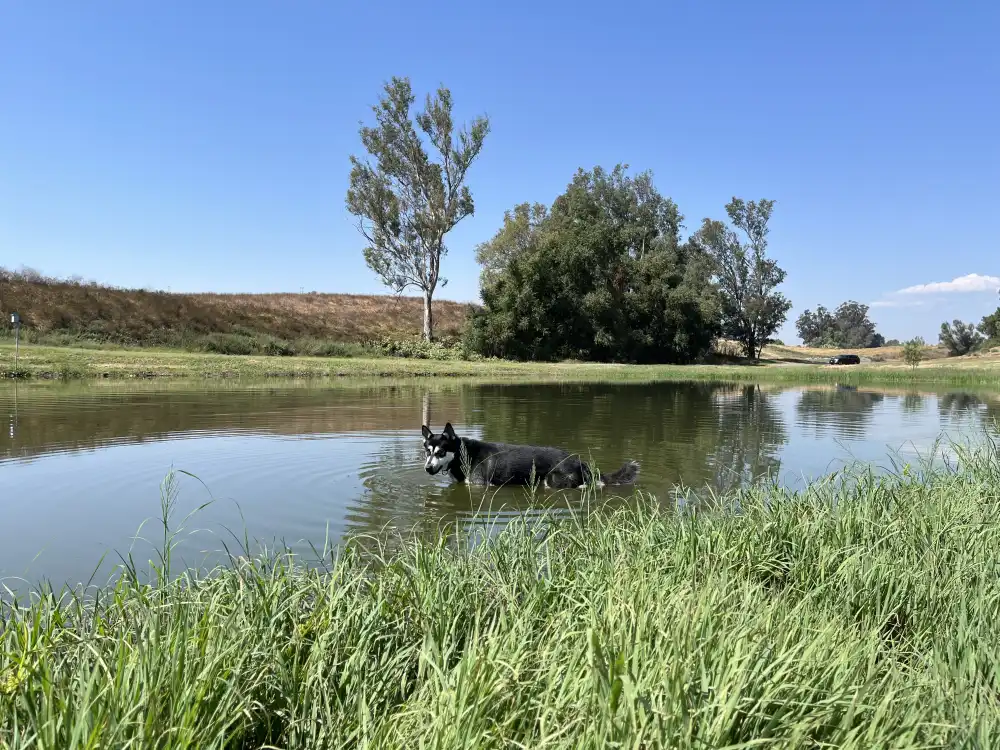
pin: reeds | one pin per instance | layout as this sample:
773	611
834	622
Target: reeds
861	612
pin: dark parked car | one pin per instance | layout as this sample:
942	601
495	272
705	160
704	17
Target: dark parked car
845	359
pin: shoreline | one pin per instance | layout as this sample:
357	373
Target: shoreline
59	363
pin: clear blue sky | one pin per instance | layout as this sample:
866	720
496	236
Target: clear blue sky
197	145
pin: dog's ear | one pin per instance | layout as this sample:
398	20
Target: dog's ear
425	431
449	431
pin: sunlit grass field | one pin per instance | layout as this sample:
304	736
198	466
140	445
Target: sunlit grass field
38	362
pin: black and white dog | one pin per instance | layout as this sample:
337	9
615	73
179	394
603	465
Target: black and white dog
499	463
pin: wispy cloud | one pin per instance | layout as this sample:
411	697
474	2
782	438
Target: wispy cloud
914	296
972	282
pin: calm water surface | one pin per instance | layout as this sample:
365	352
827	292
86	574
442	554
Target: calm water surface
81	466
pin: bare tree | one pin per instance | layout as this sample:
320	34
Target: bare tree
404	202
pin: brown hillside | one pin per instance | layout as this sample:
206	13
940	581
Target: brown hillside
140	316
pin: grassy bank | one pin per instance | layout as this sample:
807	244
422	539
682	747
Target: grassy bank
62	362
69	312
865	617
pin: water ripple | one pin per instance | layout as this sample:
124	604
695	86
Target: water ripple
80	467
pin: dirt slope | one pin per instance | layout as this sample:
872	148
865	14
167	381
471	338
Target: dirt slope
138	315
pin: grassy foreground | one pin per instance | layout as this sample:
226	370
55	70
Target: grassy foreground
63	362
859	617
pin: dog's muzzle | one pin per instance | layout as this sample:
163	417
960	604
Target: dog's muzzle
435	464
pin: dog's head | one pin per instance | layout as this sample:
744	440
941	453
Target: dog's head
440	450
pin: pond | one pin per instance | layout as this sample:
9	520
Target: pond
305	464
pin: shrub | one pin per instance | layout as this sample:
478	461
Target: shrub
278	348
419	349
229	343
324	348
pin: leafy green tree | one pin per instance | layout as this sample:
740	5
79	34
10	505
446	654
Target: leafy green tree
853	328
913	351
848	327
516	236
601	276
752	309
990	326
405	203
960	338
814	327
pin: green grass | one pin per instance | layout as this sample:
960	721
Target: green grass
67	363
859	614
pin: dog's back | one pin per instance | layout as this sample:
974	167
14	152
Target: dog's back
481	462
505	463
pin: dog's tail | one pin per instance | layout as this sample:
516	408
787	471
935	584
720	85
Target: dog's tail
627	474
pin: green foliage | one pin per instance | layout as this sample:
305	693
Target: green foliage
309	347
278	348
990	326
516	236
251	343
406	203
846	328
420	349
892	342
230	343
601	276
960	338
752	309
913	351
861	612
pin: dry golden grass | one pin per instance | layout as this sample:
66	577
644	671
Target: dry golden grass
140	316
879	354
888	356
347	317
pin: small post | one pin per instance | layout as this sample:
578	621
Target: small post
15	320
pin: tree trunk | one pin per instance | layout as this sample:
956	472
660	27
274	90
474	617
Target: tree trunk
428	318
